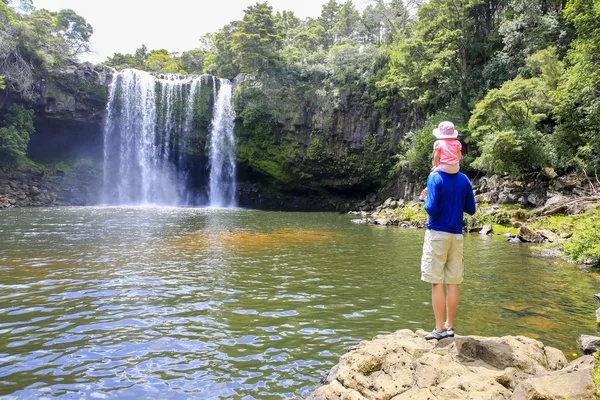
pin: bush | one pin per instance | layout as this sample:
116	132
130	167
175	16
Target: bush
505	123
584	246
16	126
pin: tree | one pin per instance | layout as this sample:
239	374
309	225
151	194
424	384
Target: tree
504	124
75	31
529	26
120	61
329	20
160	61
193	61
34	43
257	42
16	127
221	59
140	56
578	99
346	26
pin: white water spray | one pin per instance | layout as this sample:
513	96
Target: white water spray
147	138
222	150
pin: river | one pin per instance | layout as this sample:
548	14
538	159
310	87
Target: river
117	302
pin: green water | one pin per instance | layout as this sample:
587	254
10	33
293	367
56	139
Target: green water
205	303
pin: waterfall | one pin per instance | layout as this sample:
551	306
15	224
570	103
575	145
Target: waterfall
222	150
153	138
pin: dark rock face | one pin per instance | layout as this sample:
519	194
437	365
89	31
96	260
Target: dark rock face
319	142
32	187
73	93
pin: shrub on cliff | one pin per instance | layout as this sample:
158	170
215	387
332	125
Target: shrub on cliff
584	246
16	126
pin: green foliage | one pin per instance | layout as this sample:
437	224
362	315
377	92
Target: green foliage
504	124
221	60
584	246
258	40
578	99
501	218
36	41
193	61
414	213
596	373
122	61
16	126
160	61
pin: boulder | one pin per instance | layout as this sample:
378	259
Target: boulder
487	230
589	344
573	382
598	315
547	235
403	365
535	199
548	173
508	198
526	234
34	191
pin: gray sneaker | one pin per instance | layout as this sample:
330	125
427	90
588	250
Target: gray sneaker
450	332
436	335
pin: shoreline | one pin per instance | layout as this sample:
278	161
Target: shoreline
403	365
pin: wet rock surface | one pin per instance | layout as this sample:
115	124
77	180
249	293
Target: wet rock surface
30	187
403	365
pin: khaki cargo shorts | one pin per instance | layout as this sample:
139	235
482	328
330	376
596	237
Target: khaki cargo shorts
442	260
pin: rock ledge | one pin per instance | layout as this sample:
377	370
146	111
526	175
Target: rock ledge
403	365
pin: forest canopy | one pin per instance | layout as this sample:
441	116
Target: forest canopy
520	79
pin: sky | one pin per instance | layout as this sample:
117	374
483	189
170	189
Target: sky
121	26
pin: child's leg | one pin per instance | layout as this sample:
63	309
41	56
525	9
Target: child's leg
447	168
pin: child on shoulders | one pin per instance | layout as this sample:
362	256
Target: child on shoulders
447	149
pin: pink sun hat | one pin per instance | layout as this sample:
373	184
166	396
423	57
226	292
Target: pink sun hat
445	130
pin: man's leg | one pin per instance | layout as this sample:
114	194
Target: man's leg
439	303
454	273
451	305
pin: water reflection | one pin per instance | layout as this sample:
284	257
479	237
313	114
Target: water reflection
157	302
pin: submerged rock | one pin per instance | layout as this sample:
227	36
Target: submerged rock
403	365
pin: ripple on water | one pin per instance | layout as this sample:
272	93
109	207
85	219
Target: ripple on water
124	302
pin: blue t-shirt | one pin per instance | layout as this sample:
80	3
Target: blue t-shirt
448	196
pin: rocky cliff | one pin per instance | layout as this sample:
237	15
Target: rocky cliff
403	366
302	139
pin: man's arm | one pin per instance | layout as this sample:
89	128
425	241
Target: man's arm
470	206
432	199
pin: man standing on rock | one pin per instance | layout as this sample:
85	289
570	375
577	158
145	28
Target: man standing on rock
446	198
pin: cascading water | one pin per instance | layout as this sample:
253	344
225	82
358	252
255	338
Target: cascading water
222	150
152	137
